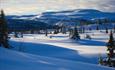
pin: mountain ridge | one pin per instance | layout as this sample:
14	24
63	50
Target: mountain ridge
69	15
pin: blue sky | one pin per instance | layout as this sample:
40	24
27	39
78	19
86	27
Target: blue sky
20	7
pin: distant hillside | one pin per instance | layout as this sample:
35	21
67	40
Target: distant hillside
69	17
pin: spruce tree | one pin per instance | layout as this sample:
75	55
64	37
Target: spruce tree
106	30
111	53
97	28
83	29
100	60
75	34
46	32
111	46
16	34
3	30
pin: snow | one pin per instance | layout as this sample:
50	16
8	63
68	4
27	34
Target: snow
55	52
13	60
59	46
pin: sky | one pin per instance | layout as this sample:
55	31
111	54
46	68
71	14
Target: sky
24	7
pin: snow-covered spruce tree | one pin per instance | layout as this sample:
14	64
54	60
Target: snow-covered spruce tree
111	49
16	34
3	30
100	60
75	34
63	29
106	30
83	29
97	27
46	32
111	45
56	31
21	34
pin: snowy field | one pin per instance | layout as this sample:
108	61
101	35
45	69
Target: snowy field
55	52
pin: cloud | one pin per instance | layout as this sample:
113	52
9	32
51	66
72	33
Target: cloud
38	6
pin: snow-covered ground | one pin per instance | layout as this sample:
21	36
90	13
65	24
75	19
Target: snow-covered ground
60	46
55	52
13	60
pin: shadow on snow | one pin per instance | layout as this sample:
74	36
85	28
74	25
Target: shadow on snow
91	42
51	51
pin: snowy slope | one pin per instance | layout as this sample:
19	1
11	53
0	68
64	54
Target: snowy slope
60	46
55	52
13	60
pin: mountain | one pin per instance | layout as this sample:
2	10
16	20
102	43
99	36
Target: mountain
87	14
69	17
